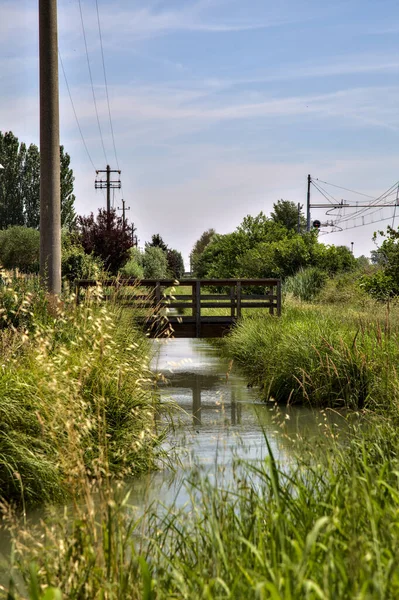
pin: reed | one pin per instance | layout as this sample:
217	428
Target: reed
326	528
75	396
321	356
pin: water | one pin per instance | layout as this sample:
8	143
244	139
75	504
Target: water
218	420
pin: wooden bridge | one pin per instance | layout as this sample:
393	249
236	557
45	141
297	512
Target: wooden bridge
210	309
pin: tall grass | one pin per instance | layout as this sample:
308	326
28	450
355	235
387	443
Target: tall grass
306	284
75	397
324	529
321	356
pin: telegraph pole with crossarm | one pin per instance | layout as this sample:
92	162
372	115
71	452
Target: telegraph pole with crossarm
109	184
124	209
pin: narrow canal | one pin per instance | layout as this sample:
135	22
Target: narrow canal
218	420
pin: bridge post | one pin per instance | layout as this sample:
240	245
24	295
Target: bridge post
279	298
198	308
238	299
232	300
157	294
271	308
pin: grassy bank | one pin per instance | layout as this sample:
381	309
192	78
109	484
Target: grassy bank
322	355
75	398
327	529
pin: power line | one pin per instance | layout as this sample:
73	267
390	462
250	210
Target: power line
325	194
74	111
106	84
91	80
344	188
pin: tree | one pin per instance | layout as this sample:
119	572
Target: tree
30	183
110	242
334	259
135	265
286	213
20	184
199	248
19	249
68	214
155	263
12	157
157	242
174	258
175	263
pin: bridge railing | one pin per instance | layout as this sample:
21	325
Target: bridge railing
203	312
151	293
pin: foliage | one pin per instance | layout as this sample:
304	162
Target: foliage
384	283
134	267
379	285
175	263
334	259
263	247
286	213
306	283
221	257
76	264
343	289
157	242
19	249
68	214
20	184
106	238
199	248
155	263
275	259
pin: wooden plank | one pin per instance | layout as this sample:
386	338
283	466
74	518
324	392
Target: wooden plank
259	305
84	283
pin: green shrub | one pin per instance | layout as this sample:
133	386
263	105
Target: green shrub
135	265
19	249
379	285
76	264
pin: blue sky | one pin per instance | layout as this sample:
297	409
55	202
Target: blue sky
219	107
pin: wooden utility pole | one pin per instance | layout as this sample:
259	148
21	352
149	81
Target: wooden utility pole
109	185
308	205
124	209
50	188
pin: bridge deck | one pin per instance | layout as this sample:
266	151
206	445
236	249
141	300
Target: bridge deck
210	310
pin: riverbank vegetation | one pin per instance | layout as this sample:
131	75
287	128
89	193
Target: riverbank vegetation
74	394
337	356
324	528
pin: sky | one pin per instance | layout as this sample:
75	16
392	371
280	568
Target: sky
218	107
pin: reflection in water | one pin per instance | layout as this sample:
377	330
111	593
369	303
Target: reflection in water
220	420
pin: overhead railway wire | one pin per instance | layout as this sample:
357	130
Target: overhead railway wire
362	212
